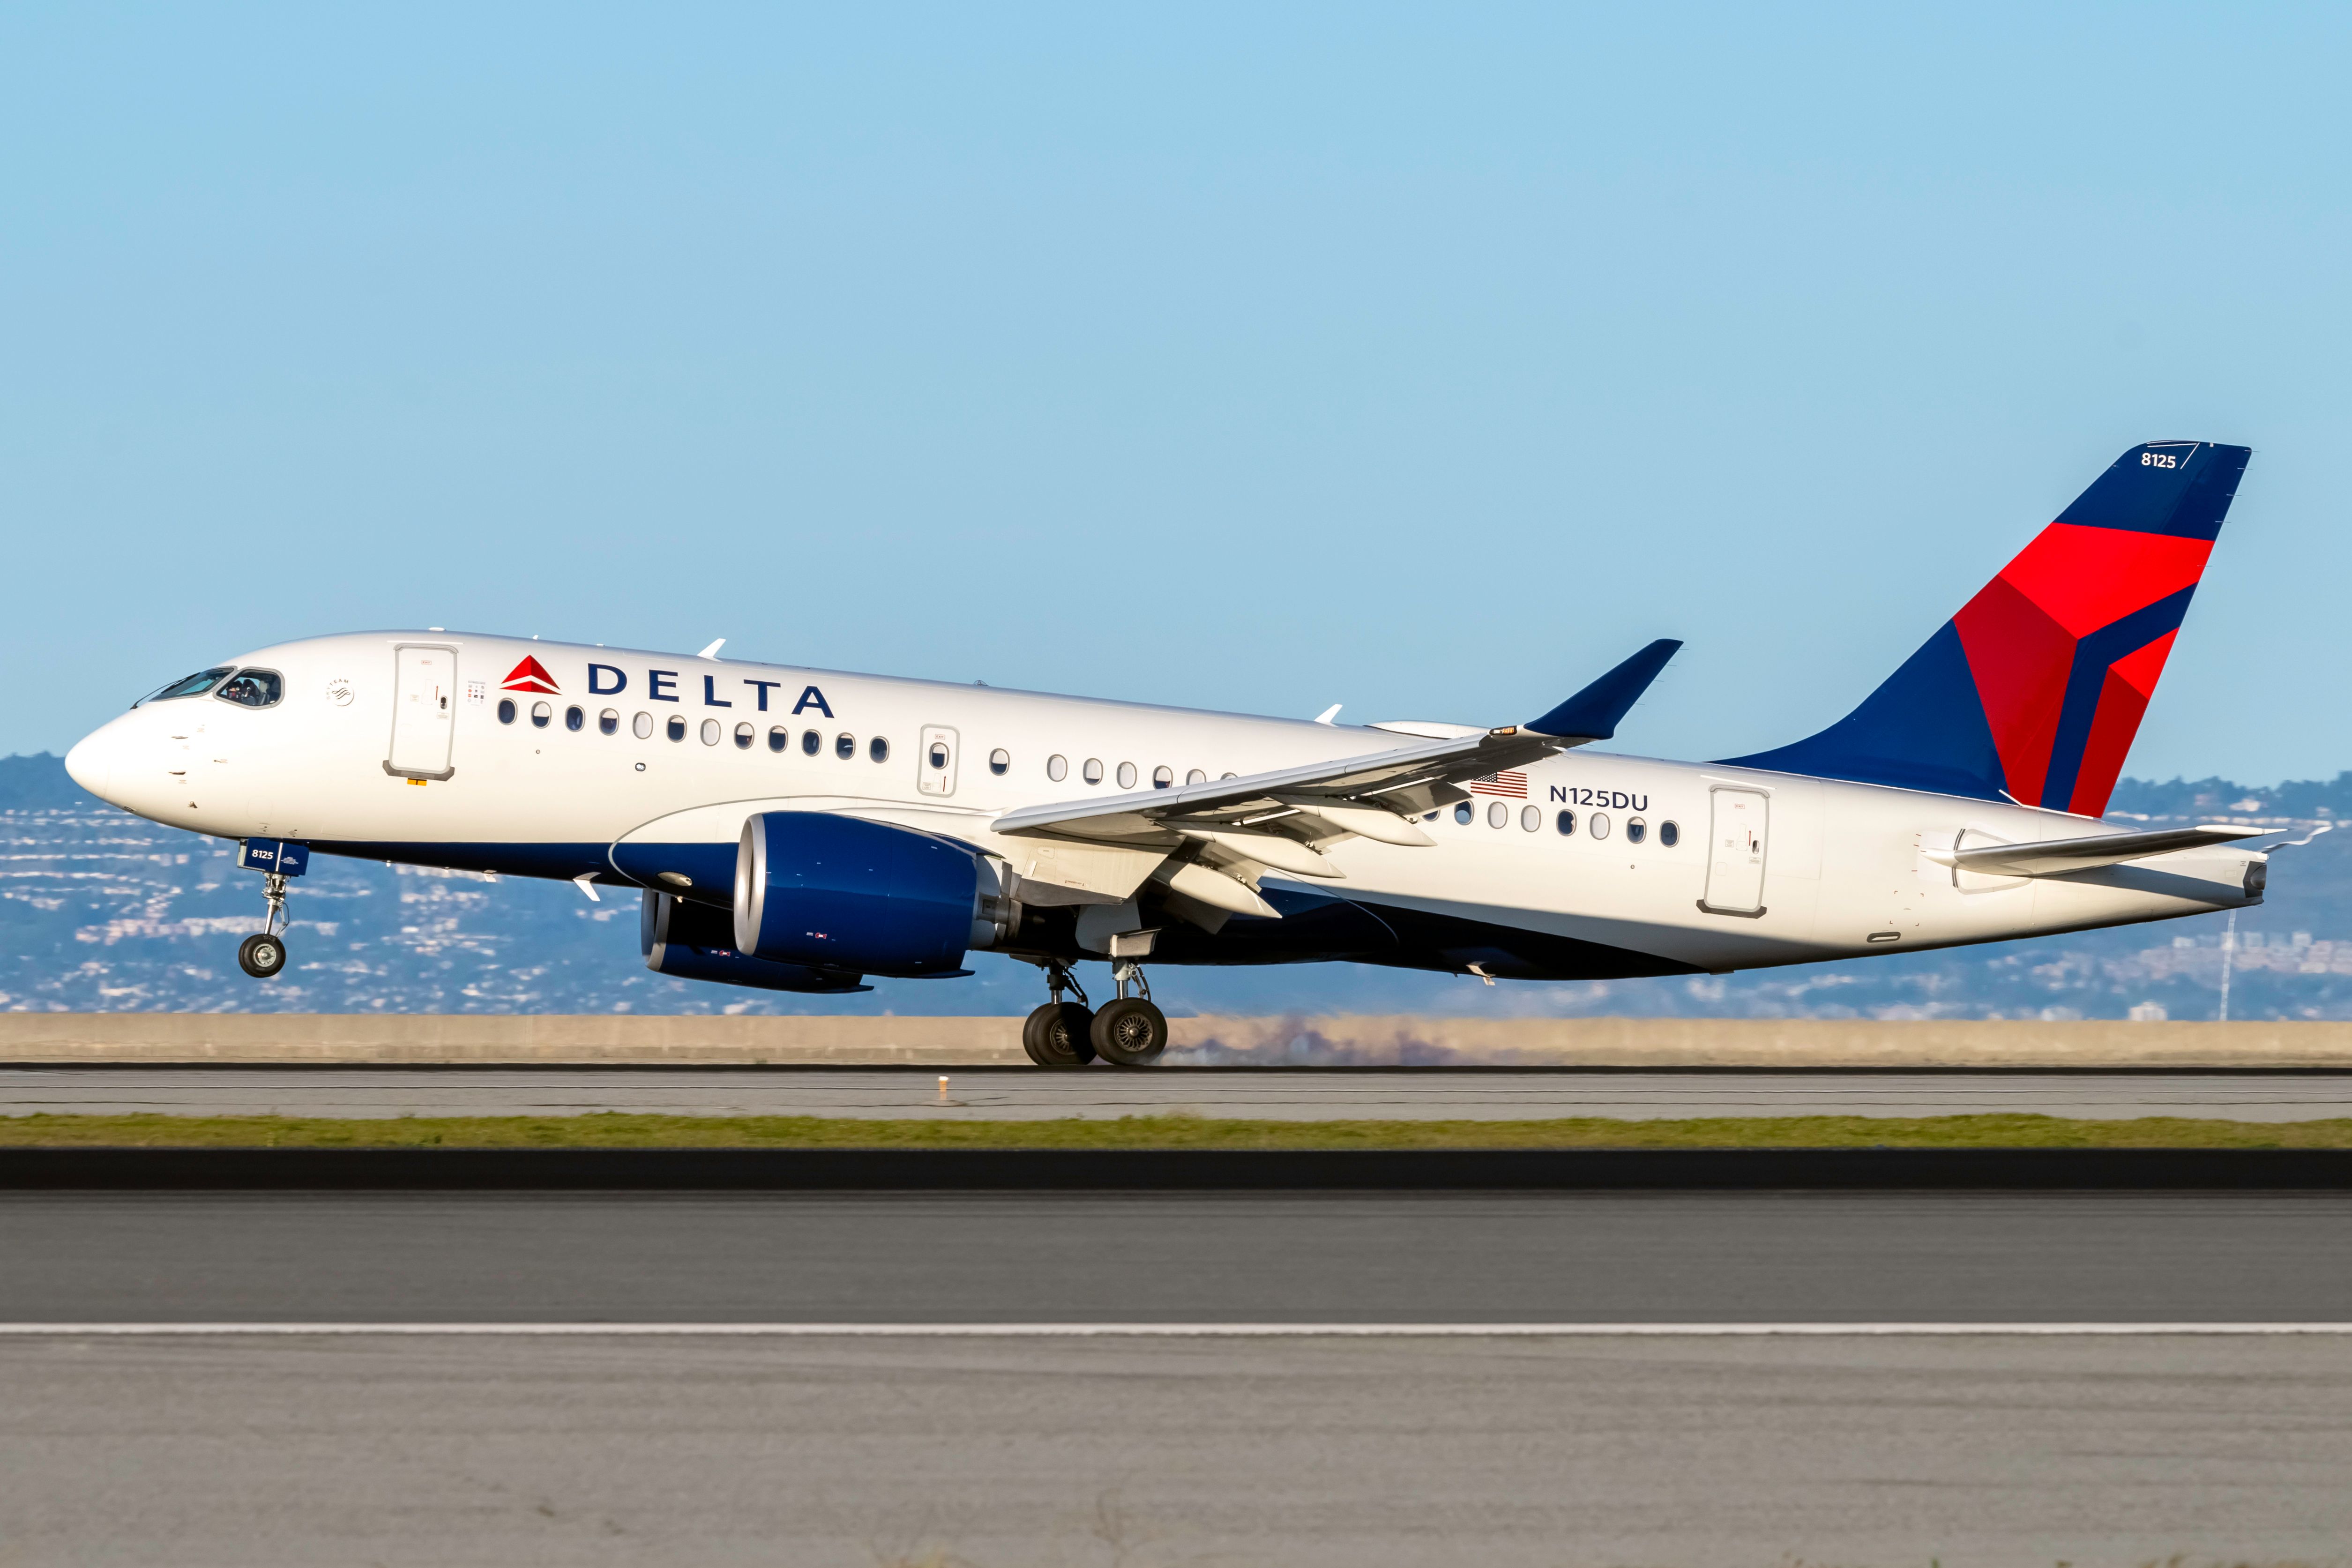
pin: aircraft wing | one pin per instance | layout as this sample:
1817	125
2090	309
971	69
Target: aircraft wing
2059	855
1225	832
1348	795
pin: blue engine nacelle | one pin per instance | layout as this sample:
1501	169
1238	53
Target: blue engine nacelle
841	893
695	941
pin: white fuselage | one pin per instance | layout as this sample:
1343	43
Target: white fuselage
1845	870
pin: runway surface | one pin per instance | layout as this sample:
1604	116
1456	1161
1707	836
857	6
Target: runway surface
527	1447
1155	1454
1217	1258
1024	1094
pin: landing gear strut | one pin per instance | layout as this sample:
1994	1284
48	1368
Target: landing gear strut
1057	1035
1132	1031
263	953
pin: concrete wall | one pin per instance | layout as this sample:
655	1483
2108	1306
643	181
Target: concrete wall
1357	1040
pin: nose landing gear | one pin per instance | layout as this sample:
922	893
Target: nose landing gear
263	953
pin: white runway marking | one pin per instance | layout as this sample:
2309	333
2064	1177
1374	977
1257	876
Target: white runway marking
1169	1331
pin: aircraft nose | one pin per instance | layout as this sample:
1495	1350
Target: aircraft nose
90	763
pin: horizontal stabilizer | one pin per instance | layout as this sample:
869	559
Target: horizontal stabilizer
1594	713
2060	855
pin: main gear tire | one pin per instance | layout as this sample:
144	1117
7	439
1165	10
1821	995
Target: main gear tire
1056	1035
262	954
1130	1032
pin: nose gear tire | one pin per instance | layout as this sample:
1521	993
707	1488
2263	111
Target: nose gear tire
261	954
1056	1035
1130	1032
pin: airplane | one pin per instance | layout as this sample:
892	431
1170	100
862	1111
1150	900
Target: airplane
800	830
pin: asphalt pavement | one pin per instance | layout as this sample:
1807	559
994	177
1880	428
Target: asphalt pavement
1429	1258
255	1453
1028	1093
537	1437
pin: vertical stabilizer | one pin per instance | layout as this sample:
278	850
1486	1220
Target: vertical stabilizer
2036	687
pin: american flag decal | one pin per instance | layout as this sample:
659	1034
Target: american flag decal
1511	782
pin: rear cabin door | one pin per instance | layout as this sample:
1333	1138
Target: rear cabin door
424	712
1734	853
935	762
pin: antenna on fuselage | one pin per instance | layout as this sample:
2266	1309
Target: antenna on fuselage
712	651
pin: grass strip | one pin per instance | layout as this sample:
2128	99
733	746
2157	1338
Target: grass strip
614	1130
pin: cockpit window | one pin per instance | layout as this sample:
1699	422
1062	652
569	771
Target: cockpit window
252	689
195	685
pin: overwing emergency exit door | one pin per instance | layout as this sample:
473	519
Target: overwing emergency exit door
935	762
1734	852
424	712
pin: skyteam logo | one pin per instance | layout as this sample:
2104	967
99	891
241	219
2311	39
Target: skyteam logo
530	675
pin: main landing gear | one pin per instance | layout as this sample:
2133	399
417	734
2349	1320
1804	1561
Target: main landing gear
1130	1031
1058	1035
263	953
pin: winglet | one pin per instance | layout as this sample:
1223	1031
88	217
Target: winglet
1592	714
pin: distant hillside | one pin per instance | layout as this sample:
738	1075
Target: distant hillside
101	911
38	783
2210	797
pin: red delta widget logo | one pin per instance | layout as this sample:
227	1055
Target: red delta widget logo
530	675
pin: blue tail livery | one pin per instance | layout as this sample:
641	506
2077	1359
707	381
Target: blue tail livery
2035	689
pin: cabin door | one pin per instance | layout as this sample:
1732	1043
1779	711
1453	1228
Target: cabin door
424	712
1734	852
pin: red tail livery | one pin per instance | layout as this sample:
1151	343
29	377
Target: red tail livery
2034	690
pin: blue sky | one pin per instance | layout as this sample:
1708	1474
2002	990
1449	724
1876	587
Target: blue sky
1426	359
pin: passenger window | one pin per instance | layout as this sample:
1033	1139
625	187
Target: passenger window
609	722
1636	830
1597	824
845	747
1222	777
711	731
1127	776
1094	770
1463	815
575	720
1566	823
810	742
998	760
1497	813
878	749
506	711
743	733
677	728
1668	835
939	756
1058	767
252	689
1532	817
778	739
539	715
1196	776
642	726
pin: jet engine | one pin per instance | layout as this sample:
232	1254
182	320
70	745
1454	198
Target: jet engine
842	893
695	941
